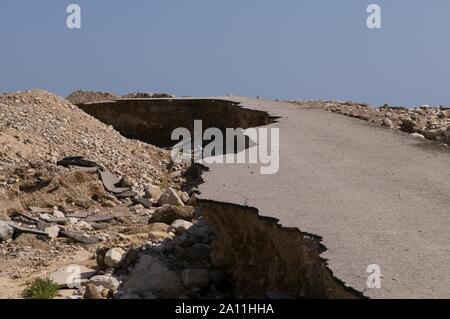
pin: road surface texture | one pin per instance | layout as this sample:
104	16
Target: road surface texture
375	196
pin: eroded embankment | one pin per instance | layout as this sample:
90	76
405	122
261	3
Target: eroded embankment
154	120
264	258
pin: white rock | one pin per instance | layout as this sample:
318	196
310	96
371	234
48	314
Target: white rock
71	276
52	231
170	197
73	221
184	197
82	225
180	226
6	231
153	192
114	257
58	214
151	274
195	278
418	135
108	282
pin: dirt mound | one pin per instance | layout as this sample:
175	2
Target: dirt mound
41	128
79	97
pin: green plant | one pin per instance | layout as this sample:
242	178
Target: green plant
40	289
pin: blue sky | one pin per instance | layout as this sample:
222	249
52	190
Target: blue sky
296	49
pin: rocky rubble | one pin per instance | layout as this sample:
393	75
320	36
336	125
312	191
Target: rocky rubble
147	95
432	123
82	97
39	128
174	262
71	186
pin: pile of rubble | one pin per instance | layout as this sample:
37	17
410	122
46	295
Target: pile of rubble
83	205
171	259
38	128
432	123
81	97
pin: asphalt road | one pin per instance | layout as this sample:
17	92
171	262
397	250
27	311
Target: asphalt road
375	196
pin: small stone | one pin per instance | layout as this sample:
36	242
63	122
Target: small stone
52	231
184	197
107	293
387	122
170	197
153	192
82	225
71	276
73	221
408	125
100	257
158	236
161	227
6	231
195	278
45	217
418	135
92	292
180	226
169	213
58	214
108	282
114	257
30	240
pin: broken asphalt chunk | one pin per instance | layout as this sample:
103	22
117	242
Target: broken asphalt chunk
39	210
77	161
79	237
141	200
24	230
22	217
79	215
126	194
110	181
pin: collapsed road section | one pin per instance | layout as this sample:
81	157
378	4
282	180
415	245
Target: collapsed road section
154	120
348	195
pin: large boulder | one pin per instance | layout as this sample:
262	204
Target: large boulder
6	231
168	214
151	274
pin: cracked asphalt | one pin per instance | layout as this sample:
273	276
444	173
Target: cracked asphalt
374	195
